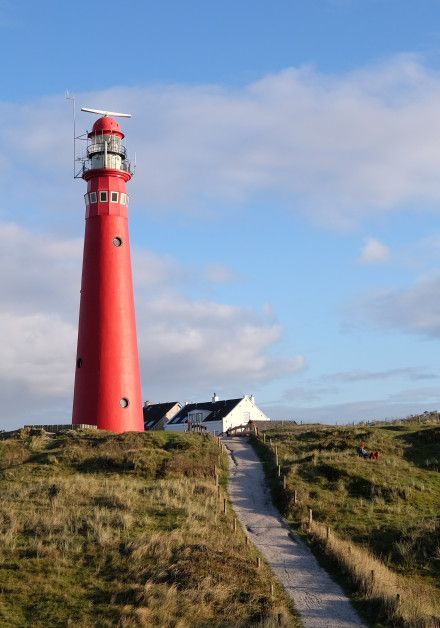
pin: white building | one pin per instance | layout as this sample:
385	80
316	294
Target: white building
216	416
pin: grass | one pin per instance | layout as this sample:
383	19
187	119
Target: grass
99	529
383	515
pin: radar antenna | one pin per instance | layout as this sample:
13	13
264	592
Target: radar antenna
106	113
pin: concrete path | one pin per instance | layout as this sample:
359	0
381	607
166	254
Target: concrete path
319	601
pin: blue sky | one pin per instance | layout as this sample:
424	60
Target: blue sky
284	215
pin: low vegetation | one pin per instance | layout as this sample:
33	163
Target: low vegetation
377	521
98	529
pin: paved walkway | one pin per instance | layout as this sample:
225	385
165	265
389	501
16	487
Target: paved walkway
320	602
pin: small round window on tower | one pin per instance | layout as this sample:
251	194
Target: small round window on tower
124	402
117	241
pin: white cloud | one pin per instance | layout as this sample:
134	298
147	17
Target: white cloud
219	273
199	344
415	308
374	252
186	346
413	373
38	351
337	147
364	410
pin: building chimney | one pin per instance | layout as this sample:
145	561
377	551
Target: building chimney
252	398
147	403
214	398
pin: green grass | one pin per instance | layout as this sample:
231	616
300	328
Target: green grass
99	529
389	507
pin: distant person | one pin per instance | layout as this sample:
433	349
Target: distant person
361	451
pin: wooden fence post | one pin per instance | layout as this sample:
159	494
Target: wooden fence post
218	491
264	437
279	471
295	498
310	516
284	482
271	590
258	562
327	533
224	505
235	525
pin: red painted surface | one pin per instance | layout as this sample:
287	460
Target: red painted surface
107	369
107	126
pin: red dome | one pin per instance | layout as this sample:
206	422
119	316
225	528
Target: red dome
107	126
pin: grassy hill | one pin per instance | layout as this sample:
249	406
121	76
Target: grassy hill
99	529
383	515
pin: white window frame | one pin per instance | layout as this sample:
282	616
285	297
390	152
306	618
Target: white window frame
86	199
92	197
123	198
103	196
112	200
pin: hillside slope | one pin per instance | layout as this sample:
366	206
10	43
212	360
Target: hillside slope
98	529
389	507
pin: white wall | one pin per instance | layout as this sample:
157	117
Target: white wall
244	411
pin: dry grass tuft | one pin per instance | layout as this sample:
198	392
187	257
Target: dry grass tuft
105	530
401	600
384	514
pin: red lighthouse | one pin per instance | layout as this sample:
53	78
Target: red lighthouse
107	379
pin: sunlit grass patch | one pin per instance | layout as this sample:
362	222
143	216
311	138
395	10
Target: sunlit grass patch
98	529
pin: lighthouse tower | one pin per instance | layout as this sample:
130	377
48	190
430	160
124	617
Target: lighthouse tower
107	379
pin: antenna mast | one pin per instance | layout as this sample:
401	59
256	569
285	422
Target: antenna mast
71	97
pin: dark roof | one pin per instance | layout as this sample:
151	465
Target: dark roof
154	412
218	410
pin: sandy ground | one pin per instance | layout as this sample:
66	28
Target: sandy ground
319	601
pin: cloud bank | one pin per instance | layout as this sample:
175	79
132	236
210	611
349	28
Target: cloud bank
188	347
414	308
338	148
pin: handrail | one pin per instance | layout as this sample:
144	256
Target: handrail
112	147
125	166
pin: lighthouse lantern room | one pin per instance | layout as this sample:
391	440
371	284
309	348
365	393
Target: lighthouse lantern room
107	378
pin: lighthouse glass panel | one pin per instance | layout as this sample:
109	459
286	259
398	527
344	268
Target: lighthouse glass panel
123	198
93	197
114	197
103	197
